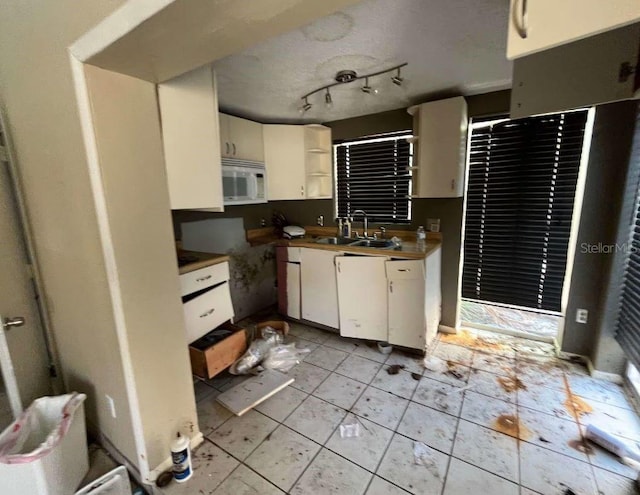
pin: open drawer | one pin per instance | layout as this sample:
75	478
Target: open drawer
206	311
212	354
204	277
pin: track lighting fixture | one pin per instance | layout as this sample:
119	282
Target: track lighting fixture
397	80
347	76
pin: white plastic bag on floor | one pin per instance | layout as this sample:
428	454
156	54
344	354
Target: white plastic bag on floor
284	357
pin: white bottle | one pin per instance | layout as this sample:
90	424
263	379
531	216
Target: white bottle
181	456
421	238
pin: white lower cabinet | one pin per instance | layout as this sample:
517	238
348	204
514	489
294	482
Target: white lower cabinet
362	296
319	294
406	303
293	290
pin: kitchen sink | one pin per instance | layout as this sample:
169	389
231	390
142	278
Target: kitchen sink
340	241
374	243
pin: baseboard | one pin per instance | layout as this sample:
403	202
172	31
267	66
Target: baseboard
447	329
165	465
603	375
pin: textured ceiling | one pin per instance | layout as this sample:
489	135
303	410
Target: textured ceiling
453	47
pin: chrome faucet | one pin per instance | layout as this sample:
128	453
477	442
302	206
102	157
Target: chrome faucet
365	221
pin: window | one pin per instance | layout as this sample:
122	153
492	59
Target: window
520	196
374	175
628	322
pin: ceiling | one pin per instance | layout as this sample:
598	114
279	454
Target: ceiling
453	47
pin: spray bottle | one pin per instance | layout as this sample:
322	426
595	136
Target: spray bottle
181	456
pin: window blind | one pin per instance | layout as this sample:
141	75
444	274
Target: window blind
374	175
520	194
628	322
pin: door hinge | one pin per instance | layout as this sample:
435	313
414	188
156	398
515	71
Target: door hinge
626	71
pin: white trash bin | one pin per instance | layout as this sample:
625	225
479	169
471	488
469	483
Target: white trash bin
44	451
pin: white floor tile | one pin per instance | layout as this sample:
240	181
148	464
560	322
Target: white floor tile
332	475
316	419
211	414
438	395
367	449
411	362
282	457
456	375
340	390
613	484
496	386
401	384
399	467
380	407
282	404
494	363
454	353
307	376
370	350
540	375
300	342
359	368
560	435
204	391
487	449
434	428
326	357
549	472
547	400
599	390
241	434
486	411
309	333
243	481
211	466
465	479
379	486
344	344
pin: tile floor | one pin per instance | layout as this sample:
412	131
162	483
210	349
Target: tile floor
505	417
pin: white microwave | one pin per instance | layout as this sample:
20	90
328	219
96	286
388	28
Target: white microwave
243	182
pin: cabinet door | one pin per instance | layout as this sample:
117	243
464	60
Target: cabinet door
406	287
190	134
319	294
442	132
362	297
541	24
284	158
433	294
246	139
293	290
225	138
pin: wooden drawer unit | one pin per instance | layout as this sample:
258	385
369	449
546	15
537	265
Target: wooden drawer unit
209	356
206	311
204	277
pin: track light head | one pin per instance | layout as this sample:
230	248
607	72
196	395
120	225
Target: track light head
397	79
368	89
327	99
306	106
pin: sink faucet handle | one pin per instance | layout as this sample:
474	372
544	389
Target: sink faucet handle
383	232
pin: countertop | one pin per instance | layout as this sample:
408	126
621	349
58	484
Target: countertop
409	249
200	260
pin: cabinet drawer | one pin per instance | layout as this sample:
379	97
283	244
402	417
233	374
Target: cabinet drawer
409	269
203	278
207	311
207	360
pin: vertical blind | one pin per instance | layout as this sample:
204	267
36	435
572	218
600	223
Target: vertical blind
628	324
521	188
374	175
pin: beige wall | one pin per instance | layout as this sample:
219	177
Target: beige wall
38	97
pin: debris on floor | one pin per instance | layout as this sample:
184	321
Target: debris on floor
511	384
416	376
510	425
394	369
256	352
433	363
350	428
613	444
422	455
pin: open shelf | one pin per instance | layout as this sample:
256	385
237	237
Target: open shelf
318	150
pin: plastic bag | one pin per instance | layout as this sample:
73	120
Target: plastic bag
257	352
422	455
350	428
39	429
284	357
433	363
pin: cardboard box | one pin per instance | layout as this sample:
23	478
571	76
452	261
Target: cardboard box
209	360
280	326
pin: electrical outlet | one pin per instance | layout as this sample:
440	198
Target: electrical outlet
112	405
582	315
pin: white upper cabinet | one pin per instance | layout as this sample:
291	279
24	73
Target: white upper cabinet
190	133
439	150
536	25
284	160
298	159
241	138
